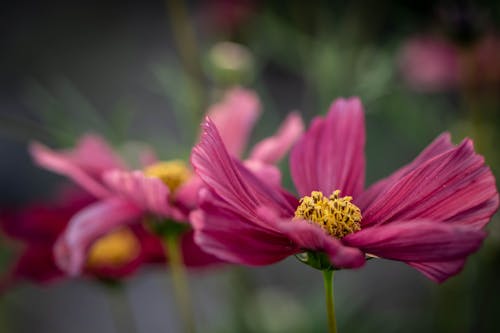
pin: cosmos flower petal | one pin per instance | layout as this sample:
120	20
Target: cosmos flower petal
478	216
42	222
223	233
93	154
417	241
87	226
235	117
266	172
149	193
330	155
271	150
193	254
147	157
230	180
311	237
37	226
36	263
62	164
448	187
303	157
187	194
439	271
441	144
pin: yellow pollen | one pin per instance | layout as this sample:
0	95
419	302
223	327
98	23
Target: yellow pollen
173	173
337	216
114	249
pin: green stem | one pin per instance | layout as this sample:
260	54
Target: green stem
330	306
180	282
122	316
185	40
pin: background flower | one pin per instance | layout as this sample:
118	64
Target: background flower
130	197
37	227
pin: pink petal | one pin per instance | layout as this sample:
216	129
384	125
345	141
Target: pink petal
439	271
87	226
477	216
230	237
231	180
60	163
149	193
330	155
152	248
441	144
93	154
311	237
194	256
187	194
235	117
274	148
417	241
147	157
267	173
448	187
36	263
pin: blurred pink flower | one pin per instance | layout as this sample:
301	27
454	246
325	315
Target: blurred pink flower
37	226
428	214
429	63
162	190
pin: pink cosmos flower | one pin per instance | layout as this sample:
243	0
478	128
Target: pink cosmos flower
36	227
160	191
430	214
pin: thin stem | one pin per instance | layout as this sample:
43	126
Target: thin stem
180	282
122	316
330	305
185	40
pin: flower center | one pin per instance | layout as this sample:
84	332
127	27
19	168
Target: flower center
114	249
172	173
337	216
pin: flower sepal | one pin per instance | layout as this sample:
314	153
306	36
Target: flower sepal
317	260
166	227
110	283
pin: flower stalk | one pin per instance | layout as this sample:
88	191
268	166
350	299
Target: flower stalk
179	280
121	312
330	305
185	40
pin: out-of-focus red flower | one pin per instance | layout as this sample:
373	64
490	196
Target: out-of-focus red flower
429	214
36	227
429	63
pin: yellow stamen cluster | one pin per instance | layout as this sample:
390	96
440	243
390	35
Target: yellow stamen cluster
337	216
172	173
114	249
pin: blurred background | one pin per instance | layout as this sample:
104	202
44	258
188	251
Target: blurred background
146	71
